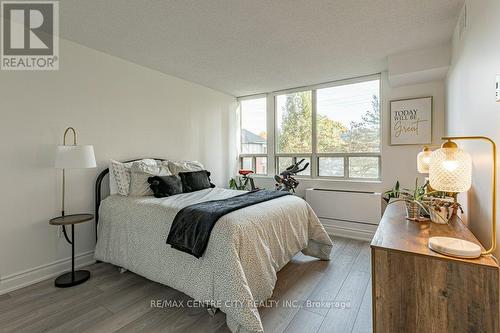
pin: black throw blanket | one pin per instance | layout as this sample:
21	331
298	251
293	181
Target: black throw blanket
193	224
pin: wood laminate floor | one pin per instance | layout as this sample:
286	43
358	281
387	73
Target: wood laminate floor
310	296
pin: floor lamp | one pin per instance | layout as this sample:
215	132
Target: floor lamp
72	156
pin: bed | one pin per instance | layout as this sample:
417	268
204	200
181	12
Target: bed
246	248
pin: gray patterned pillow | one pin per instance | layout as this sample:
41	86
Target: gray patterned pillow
141	171
121	175
184	166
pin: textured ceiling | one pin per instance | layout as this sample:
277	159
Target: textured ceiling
243	47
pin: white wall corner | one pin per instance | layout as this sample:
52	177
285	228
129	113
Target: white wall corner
419	66
31	276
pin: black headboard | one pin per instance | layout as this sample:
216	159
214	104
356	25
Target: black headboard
98	184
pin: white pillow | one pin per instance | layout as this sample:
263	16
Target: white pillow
141	171
121	177
184	166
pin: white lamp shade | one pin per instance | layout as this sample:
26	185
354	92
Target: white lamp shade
423	161
75	157
450	170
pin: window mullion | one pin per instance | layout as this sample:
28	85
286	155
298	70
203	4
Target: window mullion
314	160
380	167
346	166
271	134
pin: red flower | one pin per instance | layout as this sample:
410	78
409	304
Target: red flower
245	172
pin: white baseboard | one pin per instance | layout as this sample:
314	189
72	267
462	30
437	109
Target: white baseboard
33	275
348	229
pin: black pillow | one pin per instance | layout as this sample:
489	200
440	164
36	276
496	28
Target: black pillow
195	180
164	186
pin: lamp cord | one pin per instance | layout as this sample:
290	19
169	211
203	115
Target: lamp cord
66	235
482	254
492	257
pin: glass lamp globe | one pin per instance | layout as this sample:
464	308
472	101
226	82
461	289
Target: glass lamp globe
450	169
424	160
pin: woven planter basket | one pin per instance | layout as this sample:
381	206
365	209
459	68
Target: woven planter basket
412	210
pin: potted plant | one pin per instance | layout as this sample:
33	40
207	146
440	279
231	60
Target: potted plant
236	184
394	193
414	199
441	209
245	182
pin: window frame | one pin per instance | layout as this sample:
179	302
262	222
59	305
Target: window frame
272	132
253	156
254	162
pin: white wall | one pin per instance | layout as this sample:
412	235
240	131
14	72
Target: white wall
419	66
471	106
398	162
125	111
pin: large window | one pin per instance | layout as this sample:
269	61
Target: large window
254	135
348	118
294	123
335	127
348	130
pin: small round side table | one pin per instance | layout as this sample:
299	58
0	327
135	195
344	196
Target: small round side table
72	278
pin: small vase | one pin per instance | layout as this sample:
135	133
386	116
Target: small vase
440	212
412	210
441	216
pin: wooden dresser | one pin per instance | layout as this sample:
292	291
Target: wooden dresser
418	290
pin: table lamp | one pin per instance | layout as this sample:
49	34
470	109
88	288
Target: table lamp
424	160
450	170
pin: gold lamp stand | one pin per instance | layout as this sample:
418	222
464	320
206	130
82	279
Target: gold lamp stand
63	170
459	247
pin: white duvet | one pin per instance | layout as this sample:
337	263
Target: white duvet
246	248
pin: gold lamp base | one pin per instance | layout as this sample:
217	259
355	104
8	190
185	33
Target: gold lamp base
455	247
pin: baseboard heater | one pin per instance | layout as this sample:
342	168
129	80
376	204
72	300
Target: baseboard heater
353	214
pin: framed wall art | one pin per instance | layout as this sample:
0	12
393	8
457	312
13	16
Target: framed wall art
411	121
